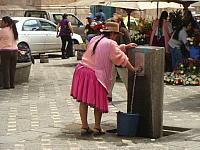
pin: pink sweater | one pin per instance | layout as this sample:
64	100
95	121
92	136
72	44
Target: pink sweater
107	53
7	41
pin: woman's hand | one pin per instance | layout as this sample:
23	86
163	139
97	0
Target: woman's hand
131	45
138	69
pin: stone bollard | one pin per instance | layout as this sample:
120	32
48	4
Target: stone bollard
80	48
148	92
44	58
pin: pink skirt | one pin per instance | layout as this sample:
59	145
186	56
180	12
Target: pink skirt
88	90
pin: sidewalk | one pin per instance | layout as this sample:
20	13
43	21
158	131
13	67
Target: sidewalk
40	115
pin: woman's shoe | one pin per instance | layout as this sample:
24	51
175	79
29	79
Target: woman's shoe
98	132
86	131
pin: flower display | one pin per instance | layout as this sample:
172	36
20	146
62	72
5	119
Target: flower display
194	40
186	73
142	36
139	39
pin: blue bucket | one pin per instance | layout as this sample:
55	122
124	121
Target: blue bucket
127	124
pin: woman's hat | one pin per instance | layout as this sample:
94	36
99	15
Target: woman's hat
111	27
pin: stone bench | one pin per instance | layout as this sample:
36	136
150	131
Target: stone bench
21	74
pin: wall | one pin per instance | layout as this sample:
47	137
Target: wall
16	8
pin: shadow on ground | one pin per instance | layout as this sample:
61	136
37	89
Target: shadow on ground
65	65
72	131
189	103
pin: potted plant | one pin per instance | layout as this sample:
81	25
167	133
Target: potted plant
175	17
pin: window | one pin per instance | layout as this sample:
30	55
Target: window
74	21
46	26
30	25
57	17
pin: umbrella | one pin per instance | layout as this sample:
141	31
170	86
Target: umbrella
86	3
197	4
130	6
143	5
148	4
176	1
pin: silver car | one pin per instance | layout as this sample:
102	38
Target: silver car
39	35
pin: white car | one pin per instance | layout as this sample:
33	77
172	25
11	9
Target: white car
39	35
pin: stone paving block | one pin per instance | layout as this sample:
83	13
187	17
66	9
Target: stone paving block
45	99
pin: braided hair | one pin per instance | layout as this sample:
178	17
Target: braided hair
105	34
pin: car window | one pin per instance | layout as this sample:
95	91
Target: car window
46	26
74	21
57	17
36	14
30	25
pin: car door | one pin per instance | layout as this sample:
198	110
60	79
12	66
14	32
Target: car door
31	34
77	25
48	29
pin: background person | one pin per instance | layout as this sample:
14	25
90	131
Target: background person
65	31
119	70
102	15
89	28
161	32
8	51
187	17
92	77
178	39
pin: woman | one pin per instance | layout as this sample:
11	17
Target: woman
8	50
92	77
160	36
121	71
188	17
65	31
178	39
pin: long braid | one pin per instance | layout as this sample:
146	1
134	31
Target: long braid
95	45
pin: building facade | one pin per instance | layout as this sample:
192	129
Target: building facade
17	7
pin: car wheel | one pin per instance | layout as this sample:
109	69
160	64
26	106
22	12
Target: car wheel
24	54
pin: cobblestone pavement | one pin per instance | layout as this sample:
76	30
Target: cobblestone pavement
40	115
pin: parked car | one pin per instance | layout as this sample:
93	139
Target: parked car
55	17
39	35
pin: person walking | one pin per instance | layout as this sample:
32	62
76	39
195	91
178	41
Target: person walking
161	32
8	51
92	76
178	40
65	31
119	70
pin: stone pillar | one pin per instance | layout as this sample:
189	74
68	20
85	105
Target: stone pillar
148	91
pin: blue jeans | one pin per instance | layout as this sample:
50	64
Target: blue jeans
176	57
